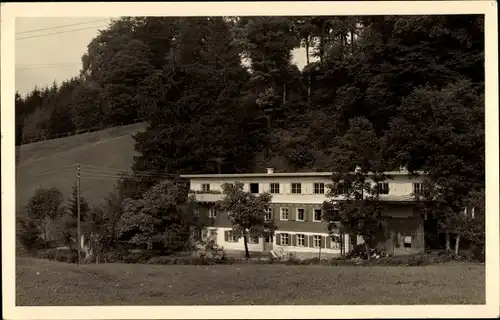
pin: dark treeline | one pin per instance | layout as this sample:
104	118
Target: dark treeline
205	109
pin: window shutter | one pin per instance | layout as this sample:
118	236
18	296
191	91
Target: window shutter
294	240
226	236
323	242
306	241
328	242
292	213
306	213
311	241
278	239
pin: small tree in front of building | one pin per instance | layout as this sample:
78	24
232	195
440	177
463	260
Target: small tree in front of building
353	206
246	213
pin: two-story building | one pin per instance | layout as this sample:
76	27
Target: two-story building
296	208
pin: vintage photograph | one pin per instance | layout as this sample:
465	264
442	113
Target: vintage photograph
250	160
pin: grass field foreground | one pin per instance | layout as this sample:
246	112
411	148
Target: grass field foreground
48	283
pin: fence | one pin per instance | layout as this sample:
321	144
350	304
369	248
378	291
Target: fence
78	132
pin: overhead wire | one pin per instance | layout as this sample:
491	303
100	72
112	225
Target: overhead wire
62	26
139	172
103	173
60	32
48	65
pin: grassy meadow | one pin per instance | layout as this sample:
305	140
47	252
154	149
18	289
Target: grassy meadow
49	283
52	163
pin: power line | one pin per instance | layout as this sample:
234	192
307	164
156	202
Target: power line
51	173
118	176
61	26
151	173
53	65
60	32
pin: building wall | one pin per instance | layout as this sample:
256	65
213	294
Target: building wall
404	221
399	185
401	220
259	247
264	183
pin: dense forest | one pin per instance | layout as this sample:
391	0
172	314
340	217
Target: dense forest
223	92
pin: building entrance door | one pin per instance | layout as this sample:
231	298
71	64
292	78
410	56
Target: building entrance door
268	243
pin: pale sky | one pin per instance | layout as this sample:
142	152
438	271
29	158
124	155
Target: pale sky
43	58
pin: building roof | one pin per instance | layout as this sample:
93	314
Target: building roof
279	174
256	175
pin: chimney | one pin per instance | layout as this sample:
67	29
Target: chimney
270	170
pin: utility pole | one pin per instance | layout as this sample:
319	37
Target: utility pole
320	243
78	240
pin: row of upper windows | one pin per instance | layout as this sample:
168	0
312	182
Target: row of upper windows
319	188
274	188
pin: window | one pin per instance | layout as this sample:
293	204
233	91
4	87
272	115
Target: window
212	213
317	241
301	240
300	214
254	187
469	212
336	241
205	187
268	214
284	214
275	187
418	188
383	188
317	214
319	188
284	239
407	242
230	236
296	188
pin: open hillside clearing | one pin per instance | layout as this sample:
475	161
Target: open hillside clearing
52	163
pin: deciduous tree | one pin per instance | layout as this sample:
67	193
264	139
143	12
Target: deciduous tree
45	207
353	195
441	132
246	212
159	221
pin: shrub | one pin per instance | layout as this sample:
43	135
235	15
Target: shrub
49	254
61	255
192	260
138	256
